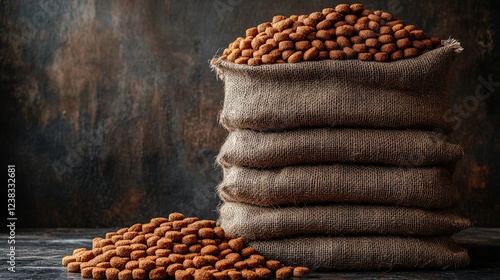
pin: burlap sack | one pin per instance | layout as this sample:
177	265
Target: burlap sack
255	222
327	145
410	93
366	253
423	187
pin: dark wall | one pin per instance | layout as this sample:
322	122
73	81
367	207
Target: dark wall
109	108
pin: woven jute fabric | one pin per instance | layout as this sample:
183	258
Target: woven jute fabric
337	145
410	93
366	253
255	222
425	187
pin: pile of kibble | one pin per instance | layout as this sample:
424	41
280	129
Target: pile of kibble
346	32
175	247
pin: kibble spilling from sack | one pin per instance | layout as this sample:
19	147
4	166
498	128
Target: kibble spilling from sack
175	247
346	32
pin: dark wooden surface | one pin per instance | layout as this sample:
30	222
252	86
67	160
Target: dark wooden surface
39	253
109	109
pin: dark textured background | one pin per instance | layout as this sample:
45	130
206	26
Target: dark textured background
108	108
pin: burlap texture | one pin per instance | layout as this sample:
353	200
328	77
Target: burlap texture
328	145
255	222
410	93
425	187
366	253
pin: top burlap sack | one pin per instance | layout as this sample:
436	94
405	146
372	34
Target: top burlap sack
410	93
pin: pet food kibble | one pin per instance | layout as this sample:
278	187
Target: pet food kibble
138	273
249	275
397	55
300	271
381	57
237	244
99	273
112	273
346	25
264	273
274	265
410	52
147	264
183	275
68	259
295	57
86	272
158	273
365	56
119	262
125	275
74	267
184	248
210	250
284	273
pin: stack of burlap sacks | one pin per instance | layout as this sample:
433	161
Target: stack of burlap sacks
342	165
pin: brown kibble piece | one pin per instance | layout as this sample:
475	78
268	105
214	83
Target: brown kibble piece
241	265
191	238
388	48
207	232
158	273
139	274
180	249
385	30
86	272
343	42
350	52
323	25
251	32
175	217
360	48
310	54
284	273
174	235
237	244
385	39
102	265
224	264
177	225
254	61
295	57
125	275
183	275
273	265
137	254
400	34
171	269
344	30
381	57
372	43
132	264
249	275
203	275
68	259
419	45
112	273
147	264
73	267
403	43
365	56
118	262
365	34
210	250
410	52
397	55
300	272
234	275
264	273
343	8
99	273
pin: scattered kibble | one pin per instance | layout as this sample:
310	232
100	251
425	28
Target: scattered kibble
343	32
175	247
